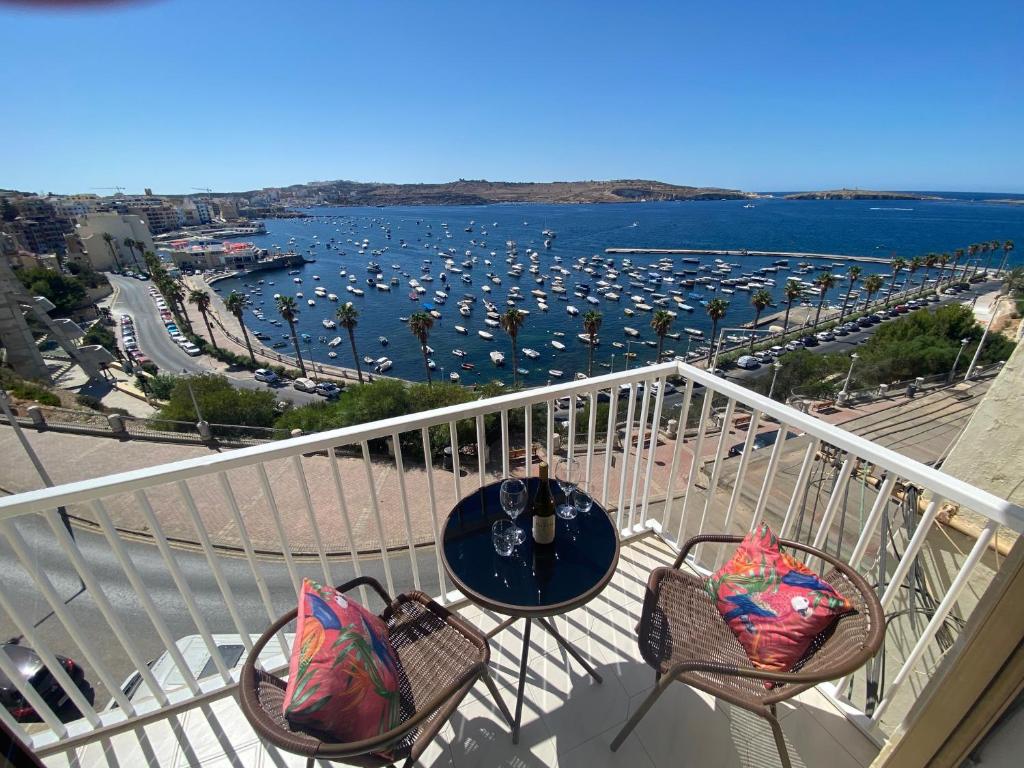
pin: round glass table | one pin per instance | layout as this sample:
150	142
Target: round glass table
537	581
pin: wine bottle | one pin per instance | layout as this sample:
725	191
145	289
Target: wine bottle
544	510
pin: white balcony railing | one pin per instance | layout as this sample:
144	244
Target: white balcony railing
217	545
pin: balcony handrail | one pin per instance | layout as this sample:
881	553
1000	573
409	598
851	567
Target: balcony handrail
133	480
939	483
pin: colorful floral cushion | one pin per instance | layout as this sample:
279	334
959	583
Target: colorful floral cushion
343	677
772	602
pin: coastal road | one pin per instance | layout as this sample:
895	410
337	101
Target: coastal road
50	559
133	299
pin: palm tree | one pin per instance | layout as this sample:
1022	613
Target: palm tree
957	255
591	325
791	292
512	321
288	310
929	264
852	275
420	324
990	247
661	322
235	304
943	262
202	301
1007	247
176	298
109	240
915	264
972	250
348	318
131	245
761	299
152	263
872	285
825	281
898	265
716	310
1014	281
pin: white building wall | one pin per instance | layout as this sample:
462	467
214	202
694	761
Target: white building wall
122	227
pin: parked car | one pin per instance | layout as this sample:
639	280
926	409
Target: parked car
748	363
199	661
778	349
764	356
328	390
304	385
794	345
764	440
191	349
809	341
826	336
31	668
267	376
842	330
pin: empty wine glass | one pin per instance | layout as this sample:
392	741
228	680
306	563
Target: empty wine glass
580	498
513	500
567	473
503	535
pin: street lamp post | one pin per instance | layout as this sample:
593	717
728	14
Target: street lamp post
776	367
629	344
312	362
846	384
977	352
952	372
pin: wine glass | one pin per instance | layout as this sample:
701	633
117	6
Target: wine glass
503	536
581	498
567	472
513	500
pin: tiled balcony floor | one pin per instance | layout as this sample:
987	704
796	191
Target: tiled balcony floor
568	720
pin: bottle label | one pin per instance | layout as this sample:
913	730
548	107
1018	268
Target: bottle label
544	529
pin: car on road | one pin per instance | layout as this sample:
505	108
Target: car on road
842	330
902	309
933	297
809	341
748	363
764	356
267	376
304	385
764	440
826	336
328	390
32	670
794	345
778	349
191	349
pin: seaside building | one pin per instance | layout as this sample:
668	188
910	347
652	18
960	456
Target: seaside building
70	206
35	223
121	227
206	253
195	212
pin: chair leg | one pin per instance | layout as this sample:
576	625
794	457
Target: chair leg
496	695
638	715
780	739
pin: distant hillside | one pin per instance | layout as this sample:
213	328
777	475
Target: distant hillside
858	194
470	192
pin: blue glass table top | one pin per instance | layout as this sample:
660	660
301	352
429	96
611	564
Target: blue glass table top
536	580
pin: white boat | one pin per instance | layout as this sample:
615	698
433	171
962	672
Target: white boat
572	310
330	324
357	291
555	373
498	358
453	377
459	352
334	342
491	323
693	331
611	296
644	307
332	355
464	311
585	338
311	302
630	331
332	297
557	345
383	366
435	314
461	329
531	353
485	335
686	308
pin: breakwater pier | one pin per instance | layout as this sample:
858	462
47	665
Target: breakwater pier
745	252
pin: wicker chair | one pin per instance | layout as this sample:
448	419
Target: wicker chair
683	636
440	659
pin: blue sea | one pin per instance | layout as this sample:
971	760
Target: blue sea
864	228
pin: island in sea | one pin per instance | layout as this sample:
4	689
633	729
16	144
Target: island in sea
480	192
859	194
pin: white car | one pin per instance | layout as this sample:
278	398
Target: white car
191	349
748	362
304	385
266	375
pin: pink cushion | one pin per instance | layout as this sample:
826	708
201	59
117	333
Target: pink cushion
773	603
343	677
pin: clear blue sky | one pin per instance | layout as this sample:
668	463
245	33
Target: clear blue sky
175	94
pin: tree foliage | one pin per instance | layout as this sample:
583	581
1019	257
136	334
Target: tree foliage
220	403
65	291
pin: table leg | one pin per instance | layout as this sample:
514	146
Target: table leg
569	649
522	681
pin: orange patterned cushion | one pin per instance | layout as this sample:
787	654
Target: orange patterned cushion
773	603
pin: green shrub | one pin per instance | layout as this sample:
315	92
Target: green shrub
100	334
23	389
159	386
219	402
65	291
